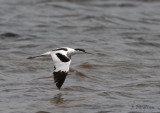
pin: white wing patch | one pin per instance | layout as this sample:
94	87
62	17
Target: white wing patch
61	66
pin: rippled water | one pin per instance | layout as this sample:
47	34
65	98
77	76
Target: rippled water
122	76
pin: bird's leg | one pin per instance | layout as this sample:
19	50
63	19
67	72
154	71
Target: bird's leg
44	54
31	57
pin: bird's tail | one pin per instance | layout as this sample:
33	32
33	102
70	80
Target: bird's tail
44	54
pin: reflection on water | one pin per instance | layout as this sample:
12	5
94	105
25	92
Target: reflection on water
121	75
57	99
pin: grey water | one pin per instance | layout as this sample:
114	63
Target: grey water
121	76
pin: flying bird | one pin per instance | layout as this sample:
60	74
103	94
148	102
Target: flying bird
61	59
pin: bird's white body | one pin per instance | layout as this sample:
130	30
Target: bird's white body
61	59
64	66
58	63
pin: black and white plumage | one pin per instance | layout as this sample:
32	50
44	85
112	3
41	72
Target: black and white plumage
61	58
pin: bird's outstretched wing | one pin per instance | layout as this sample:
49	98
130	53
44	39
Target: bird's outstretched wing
61	67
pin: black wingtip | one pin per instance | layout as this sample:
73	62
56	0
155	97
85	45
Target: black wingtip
59	86
59	78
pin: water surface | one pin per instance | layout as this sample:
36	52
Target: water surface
122	76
